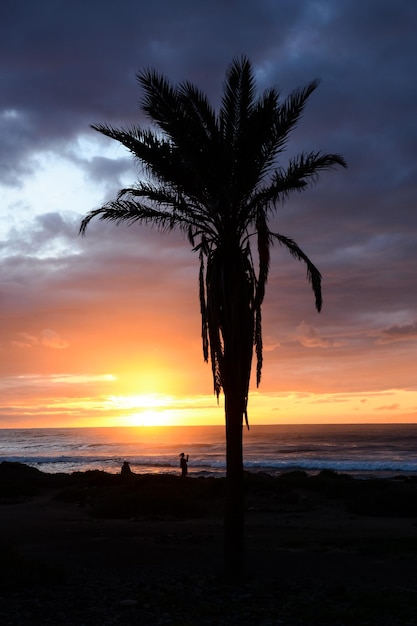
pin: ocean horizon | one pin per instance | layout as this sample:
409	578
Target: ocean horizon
363	450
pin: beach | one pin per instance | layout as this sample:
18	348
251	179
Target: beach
93	548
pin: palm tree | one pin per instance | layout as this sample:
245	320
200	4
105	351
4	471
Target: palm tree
216	177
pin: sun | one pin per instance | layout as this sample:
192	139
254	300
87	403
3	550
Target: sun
149	418
149	409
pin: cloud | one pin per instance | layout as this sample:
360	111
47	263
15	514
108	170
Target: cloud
51	339
25	340
308	337
408	332
47	338
388	407
270	343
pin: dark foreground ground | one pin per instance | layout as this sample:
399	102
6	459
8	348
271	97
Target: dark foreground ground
93	549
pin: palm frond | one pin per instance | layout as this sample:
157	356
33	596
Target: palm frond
290	111
261	138
182	112
199	111
305	168
160	101
238	98
131	212
203	310
313	274
258	343
302	171
143	144
263	240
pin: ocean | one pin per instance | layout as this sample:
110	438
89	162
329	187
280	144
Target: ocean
362	450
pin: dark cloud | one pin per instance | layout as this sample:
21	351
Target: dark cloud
67	64
103	169
408	332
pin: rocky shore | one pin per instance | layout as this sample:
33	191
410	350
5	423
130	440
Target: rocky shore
92	548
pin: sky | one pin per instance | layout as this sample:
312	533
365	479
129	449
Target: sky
105	330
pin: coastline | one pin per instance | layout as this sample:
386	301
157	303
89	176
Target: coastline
362	450
96	548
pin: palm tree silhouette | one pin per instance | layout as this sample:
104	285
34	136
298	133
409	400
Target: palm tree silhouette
216	177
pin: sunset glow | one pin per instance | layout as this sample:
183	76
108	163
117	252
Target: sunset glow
143	410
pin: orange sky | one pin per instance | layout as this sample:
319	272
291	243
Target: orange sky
110	335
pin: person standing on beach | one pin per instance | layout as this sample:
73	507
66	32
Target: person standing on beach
183	464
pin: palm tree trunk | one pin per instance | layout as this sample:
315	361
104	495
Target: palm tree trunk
234	557
235	318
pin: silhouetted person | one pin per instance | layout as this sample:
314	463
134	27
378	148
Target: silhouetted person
126	471
183	464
